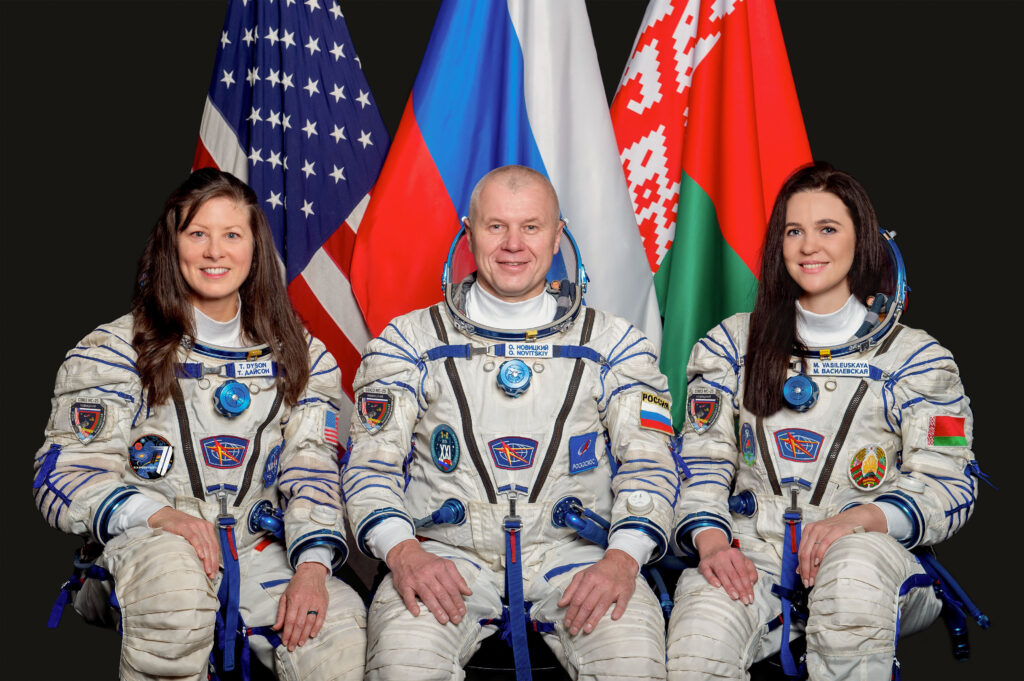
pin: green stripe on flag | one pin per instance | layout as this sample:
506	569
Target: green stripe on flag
947	440
701	281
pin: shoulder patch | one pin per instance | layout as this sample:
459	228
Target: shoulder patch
655	414
374	409
702	410
946	431
87	420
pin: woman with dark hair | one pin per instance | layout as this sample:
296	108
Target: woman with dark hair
824	441
195	441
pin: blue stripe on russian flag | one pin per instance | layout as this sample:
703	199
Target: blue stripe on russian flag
471	84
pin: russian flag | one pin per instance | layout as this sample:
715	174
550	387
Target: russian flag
501	83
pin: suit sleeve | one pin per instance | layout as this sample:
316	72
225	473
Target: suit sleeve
708	459
390	379
80	470
309	481
924	401
635	407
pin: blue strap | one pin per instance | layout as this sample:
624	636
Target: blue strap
446	351
188	370
71	586
950	591
514	594
466	351
788	589
227	617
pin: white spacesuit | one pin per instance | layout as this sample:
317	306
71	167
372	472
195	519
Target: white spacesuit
225	445
447	408
891	425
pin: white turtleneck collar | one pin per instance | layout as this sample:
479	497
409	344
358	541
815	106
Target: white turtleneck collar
823	330
484	308
224	334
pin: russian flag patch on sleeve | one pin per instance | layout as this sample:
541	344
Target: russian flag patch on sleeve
655	414
946	431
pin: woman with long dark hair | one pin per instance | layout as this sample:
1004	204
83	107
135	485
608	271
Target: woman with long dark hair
195	441
824	441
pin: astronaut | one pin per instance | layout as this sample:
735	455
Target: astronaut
840	456
176	439
508	398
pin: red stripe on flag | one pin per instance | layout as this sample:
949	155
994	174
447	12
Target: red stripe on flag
409	213
744	125
340	246
320	324
202	158
948	426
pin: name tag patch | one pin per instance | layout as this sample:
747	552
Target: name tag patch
843	368
582	452
512	453
529	350
251	369
224	451
797	444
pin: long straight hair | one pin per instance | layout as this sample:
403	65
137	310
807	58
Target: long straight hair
162	306
773	340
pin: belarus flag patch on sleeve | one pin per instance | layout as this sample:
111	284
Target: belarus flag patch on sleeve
655	414
946	431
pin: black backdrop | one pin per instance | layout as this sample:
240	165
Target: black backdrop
101	103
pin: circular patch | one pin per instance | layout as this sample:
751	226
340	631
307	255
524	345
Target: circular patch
151	457
747	444
444	448
270	470
868	466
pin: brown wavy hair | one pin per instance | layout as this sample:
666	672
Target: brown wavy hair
162	307
772	340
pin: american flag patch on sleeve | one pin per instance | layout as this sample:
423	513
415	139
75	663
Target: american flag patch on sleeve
331	427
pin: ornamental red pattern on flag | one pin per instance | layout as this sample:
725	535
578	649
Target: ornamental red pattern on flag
708	127
290	113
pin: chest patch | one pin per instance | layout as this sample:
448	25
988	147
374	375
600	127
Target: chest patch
747	446
797	444
87	420
582	452
273	463
512	453
224	451
374	409
868	466
702	410
151	457
444	448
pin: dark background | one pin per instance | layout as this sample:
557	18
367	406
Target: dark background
101	103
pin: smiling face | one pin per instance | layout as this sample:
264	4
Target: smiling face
818	246
215	254
514	232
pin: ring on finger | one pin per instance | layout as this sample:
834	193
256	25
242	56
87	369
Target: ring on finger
312	612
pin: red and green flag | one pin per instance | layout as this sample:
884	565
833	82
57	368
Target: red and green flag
708	126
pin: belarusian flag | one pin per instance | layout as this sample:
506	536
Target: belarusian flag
709	127
946	431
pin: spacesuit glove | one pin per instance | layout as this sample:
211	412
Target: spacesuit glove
725	566
593	590
816	537
303	605
198	532
434	580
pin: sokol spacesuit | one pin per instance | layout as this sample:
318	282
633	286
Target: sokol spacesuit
509	423
891	425
208	454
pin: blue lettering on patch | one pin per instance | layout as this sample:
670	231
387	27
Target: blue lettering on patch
582	452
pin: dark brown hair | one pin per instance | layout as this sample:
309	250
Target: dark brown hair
772	338
162	308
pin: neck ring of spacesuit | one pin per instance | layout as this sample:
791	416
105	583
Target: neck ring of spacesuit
567	282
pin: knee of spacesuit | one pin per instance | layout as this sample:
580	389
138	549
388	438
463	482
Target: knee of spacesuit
855	600
168	608
709	634
338	652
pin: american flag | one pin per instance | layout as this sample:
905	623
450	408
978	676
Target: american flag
290	112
